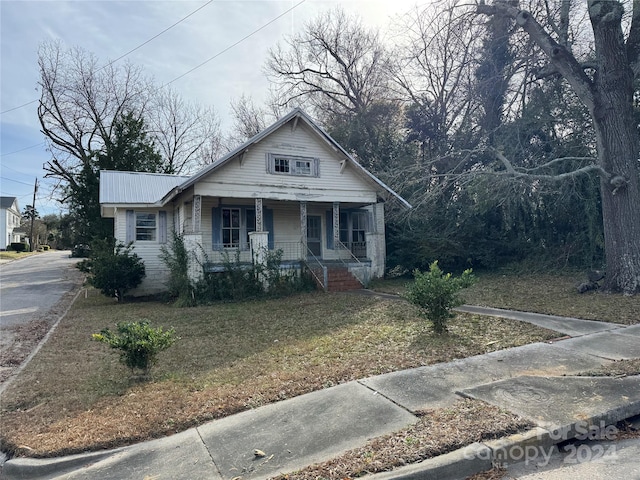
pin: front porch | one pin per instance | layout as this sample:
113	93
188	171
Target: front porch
305	234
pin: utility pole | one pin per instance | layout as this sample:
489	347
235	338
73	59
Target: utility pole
33	215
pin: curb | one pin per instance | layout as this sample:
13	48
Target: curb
454	465
479	457
35	468
44	340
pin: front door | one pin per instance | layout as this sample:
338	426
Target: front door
314	234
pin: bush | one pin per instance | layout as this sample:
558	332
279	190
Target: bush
113	269
80	251
436	293
19	247
177	259
240	281
139	343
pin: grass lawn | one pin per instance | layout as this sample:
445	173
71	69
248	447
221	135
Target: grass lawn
552	294
75	395
4	255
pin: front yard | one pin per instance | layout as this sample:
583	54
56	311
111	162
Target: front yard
75	395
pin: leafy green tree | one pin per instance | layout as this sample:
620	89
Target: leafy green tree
129	149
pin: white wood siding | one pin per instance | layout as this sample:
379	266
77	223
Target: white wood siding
149	251
249	178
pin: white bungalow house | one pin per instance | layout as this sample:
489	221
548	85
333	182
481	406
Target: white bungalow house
290	188
9	221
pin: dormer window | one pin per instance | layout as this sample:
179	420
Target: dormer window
292	165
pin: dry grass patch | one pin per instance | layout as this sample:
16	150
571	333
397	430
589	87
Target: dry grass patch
437	432
552	294
621	368
75	396
10	255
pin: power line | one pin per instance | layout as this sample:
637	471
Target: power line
16	181
125	54
236	43
156	36
22	149
187	72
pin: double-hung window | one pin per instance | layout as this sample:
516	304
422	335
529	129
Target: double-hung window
230	227
234	224
353	228
145	226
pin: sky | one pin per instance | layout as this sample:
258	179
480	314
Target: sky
110	29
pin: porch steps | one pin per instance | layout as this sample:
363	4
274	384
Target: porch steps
340	279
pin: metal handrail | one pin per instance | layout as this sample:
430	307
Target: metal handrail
325	274
364	281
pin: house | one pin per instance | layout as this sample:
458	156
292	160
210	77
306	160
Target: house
9	221
291	188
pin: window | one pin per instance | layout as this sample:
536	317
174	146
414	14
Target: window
353	228
281	165
251	222
358	226
146	226
290	165
230	227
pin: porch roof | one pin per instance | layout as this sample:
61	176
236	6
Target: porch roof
135	188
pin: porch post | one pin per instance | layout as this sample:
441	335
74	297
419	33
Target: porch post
259	218
196	218
303	228
336	223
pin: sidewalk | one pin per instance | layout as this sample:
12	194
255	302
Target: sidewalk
533	381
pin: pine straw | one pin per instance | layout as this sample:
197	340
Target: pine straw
437	432
74	396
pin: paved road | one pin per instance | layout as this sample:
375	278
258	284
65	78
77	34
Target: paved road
34	292
33	285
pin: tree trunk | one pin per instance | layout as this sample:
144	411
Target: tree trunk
618	152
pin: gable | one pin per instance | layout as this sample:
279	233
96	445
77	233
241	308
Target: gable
289	164
10	203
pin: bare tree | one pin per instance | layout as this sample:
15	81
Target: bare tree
248	120
335	63
187	135
605	86
433	71
338	68
80	103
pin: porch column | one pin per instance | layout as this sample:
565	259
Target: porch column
259	218
336	223
196	217
303	228
259	242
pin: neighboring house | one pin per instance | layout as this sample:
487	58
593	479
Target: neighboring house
9	221
290	188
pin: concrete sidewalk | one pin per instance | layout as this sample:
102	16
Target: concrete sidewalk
533	380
